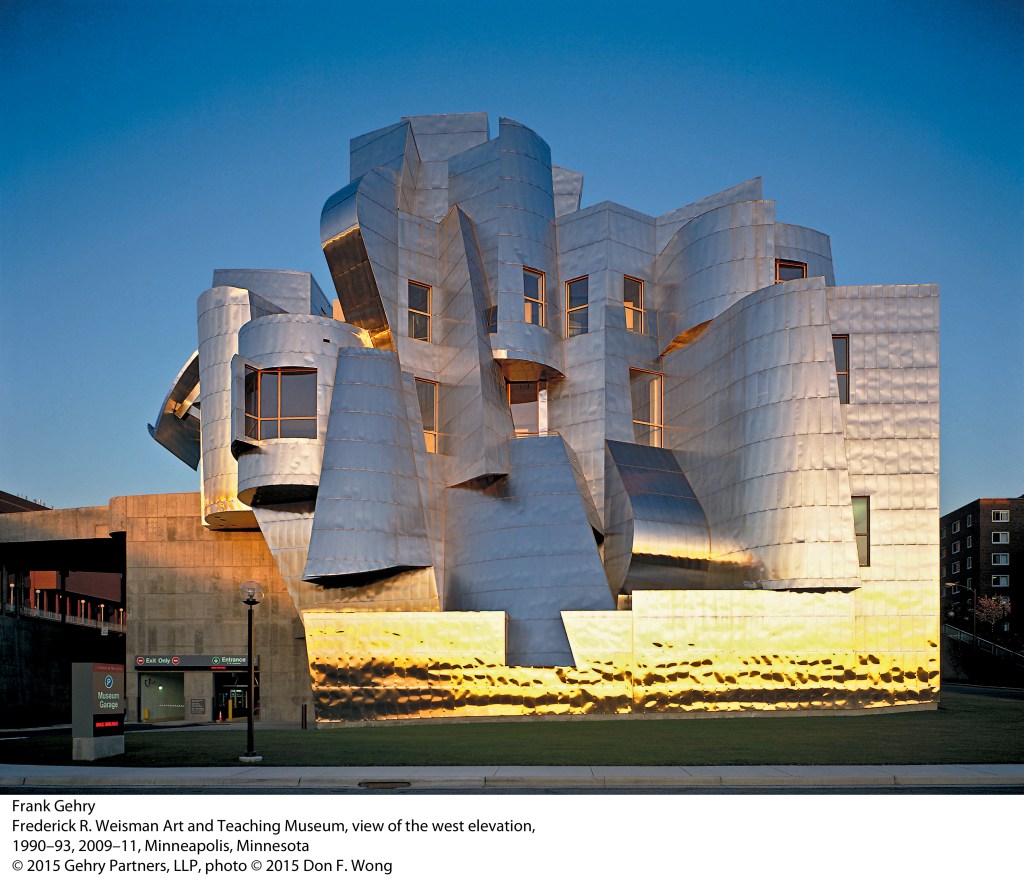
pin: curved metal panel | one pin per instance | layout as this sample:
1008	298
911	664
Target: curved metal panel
369	513
177	423
656	527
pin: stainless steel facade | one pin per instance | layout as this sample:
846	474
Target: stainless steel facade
725	485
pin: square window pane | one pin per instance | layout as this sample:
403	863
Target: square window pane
532	285
634	320
298	394
268	429
578	291
578	322
419	298
419	326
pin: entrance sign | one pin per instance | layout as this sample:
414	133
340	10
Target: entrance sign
97	710
213	662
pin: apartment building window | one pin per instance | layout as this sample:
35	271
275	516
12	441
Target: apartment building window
533	296
577	301
280	403
956	547
942	571
788	270
1000	514
970	542
841	348
1001	537
528	402
1000	559
942	552
956	567
1000	581
647	390
970	564
419	311
633	300
969	519
956	527
426	391
862	529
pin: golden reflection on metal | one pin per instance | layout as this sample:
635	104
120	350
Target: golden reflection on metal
674	652
356	286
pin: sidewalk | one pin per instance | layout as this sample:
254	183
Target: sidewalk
523	779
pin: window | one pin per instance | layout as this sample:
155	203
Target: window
862	529
1001	537
942	571
787	270
1000	514
956	567
633	300
426	391
528	402
646	389
1000	581
970	583
942	552
956	547
1000	559
969	520
492	319
841	348
970	541
970	564
942	532
956	527
533	296
280	403
576	303
419	311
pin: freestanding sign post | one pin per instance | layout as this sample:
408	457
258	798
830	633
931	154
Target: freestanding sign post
97	710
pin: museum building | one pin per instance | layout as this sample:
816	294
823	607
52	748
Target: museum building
536	459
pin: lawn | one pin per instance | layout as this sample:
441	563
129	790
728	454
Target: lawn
965	729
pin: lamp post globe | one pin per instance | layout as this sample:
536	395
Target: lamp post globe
251	594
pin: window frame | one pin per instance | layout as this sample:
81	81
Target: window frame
956	527
541	302
540	388
865	560
1001	513
956	547
842	376
1000	559
254	421
1004	581
956	567
1003	537
634	314
656	429
417	313
789	263
584	308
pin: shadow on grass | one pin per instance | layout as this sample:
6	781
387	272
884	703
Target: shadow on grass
965	729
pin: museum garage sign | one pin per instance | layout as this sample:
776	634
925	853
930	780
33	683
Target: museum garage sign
206	662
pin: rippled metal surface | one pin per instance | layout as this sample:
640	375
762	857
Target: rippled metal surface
708	650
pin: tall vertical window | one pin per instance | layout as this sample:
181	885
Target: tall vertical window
633	300
862	529
788	270
533	296
419	311
647	390
280	403
426	391
492	319
577	301
528	403
841	347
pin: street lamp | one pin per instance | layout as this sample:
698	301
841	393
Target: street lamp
974	609
252	594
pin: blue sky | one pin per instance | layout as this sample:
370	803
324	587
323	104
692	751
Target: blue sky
144	144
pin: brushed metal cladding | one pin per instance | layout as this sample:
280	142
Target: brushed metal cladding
658	536
222	311
568	190
292	291
369	511
473	415
524	545
281	469
443	567
177	423
752	410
